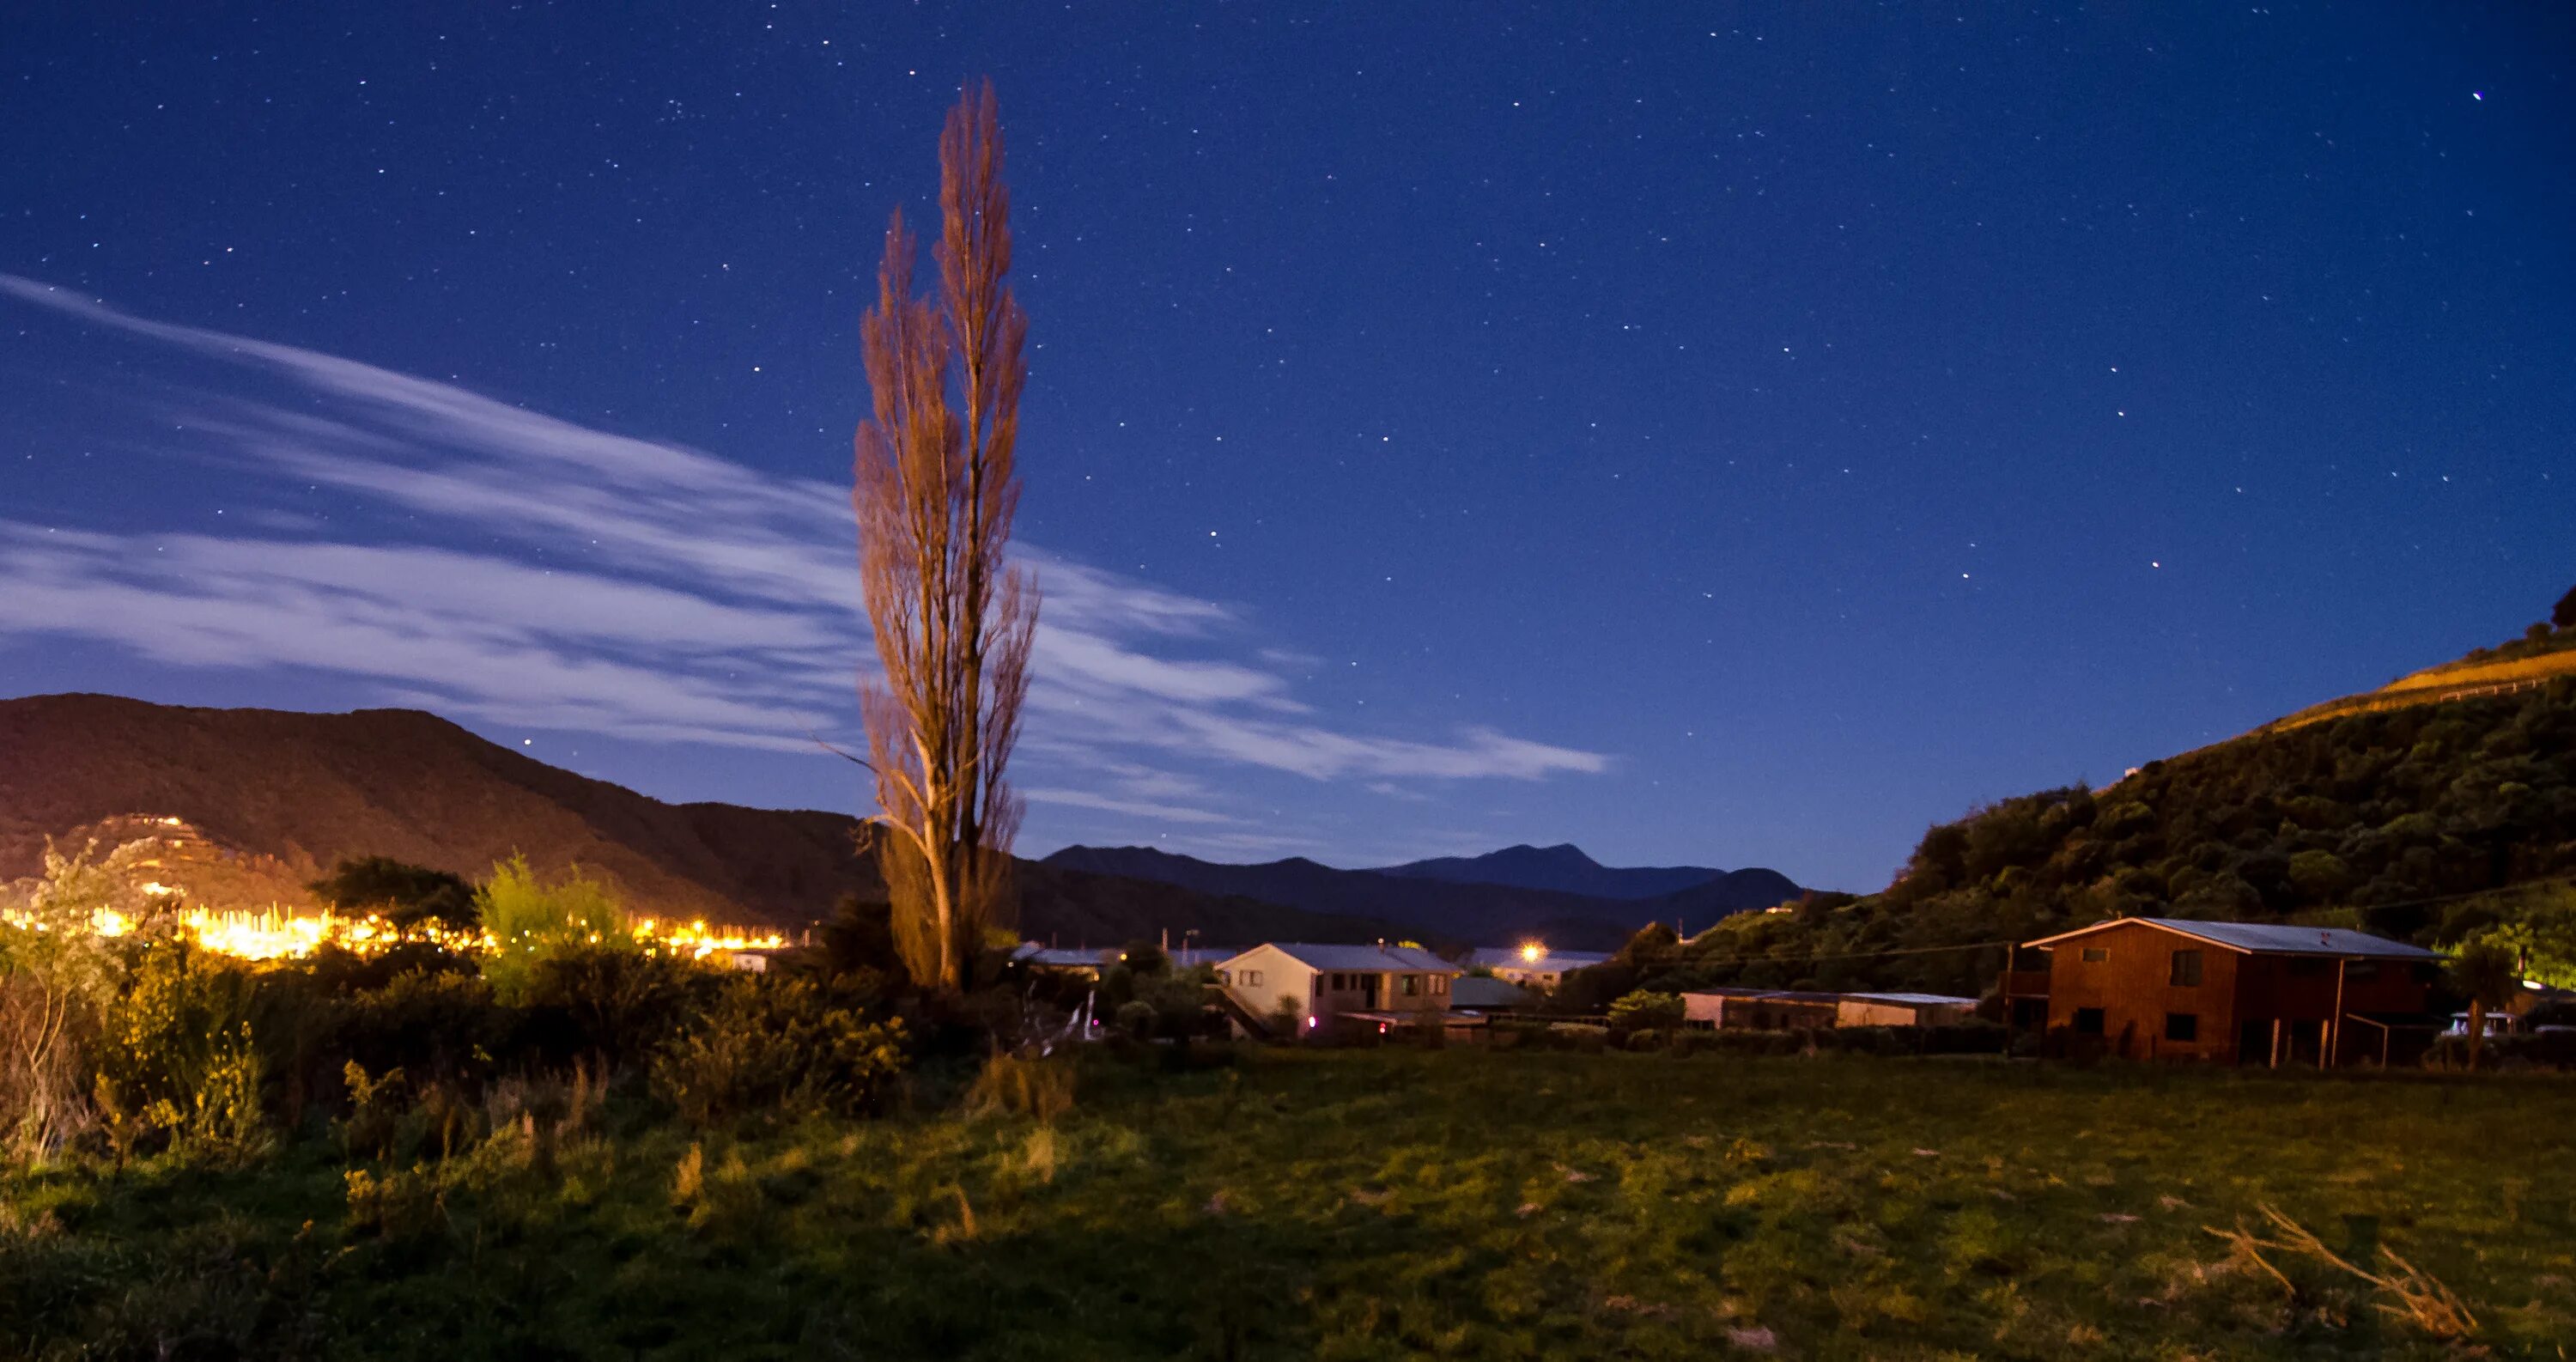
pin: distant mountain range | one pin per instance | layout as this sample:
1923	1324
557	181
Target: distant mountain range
1563	868
1436	902
265	800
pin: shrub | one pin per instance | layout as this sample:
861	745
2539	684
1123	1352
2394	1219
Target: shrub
57	980
1647	1011
532	919
780	1048
177	1057
615	1003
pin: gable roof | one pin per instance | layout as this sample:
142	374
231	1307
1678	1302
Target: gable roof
2268	938
1548	962
1365	959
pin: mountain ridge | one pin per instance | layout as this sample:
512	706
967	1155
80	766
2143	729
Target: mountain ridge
281	795
1457	913
1564	867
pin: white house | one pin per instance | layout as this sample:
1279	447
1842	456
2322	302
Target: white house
1318	984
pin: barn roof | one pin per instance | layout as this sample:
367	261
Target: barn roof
1365	959
2269	938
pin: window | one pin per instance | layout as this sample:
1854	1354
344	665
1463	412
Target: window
1341	982
1251	978
1225	976
1412	985
2182	1026
2094	955
2088	1021
1319	986
1440	984
2186	969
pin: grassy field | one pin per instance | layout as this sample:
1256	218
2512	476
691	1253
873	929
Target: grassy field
1367	1205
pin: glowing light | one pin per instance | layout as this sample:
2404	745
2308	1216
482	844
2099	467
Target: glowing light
278	934
1533	952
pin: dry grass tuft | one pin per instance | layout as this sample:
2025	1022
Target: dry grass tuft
2419	1298
690	1177
1042	1088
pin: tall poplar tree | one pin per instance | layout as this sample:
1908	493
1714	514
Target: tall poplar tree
935	494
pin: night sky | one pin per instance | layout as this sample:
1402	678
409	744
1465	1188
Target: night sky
1725	434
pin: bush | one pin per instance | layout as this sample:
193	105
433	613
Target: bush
177	1059
780	1048
57	980
532	919
614	1003
1647	1011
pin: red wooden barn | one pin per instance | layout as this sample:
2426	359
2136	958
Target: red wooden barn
2240	992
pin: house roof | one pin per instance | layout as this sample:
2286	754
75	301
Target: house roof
1473	991
1548	962
1362	958
2268	938
1782	995
1032	953
1915	999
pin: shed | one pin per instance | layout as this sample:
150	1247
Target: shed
1903	1009
1760	1009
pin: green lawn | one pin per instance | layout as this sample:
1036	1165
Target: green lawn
1371	1204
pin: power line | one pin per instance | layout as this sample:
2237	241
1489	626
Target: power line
1849	955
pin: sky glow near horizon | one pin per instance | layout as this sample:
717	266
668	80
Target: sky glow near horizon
1735	446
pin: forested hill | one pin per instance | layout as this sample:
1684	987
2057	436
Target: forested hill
2395	821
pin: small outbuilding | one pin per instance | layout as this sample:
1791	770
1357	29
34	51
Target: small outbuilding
2232	992
1903	1009
1760	1009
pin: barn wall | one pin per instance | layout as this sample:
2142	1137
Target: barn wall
2133	987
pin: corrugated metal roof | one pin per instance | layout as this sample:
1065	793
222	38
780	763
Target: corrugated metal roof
1472	991
1785	995
1361	958
1917	999
1032	953
2271	938
1552	962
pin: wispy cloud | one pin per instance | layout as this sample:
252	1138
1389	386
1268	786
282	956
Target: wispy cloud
645	590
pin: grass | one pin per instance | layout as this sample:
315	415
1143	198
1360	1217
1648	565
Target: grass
2520	663
1374	1204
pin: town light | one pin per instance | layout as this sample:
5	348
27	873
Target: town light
1533	952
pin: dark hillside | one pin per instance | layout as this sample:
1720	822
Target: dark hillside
2383	820
269	799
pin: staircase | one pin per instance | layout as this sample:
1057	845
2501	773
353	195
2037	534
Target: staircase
1258	1027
